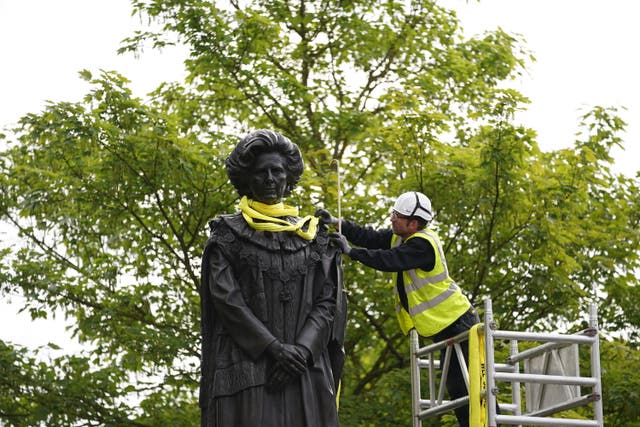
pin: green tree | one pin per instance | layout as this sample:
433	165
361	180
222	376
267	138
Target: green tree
111	196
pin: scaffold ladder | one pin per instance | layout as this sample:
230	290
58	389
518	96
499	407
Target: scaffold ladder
533	411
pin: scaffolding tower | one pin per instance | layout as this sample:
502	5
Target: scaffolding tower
551	376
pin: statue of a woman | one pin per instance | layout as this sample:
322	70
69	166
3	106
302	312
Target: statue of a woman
273	316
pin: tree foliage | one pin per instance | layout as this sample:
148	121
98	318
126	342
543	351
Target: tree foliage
111	196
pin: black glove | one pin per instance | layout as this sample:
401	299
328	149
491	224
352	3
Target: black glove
325	217
340	241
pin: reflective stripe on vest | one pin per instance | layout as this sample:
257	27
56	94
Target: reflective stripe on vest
426	305
418	315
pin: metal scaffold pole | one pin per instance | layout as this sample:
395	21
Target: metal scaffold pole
551	378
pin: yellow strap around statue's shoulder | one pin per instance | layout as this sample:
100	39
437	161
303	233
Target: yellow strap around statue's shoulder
268	217
477	378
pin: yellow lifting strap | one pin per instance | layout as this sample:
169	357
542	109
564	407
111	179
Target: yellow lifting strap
477	377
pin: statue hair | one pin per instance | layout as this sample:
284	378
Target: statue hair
239	164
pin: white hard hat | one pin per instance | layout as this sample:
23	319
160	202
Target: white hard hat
414	204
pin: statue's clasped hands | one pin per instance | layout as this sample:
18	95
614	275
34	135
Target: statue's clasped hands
290	362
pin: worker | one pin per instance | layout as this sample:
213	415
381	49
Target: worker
427	298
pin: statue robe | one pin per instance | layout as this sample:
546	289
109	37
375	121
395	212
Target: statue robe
258	287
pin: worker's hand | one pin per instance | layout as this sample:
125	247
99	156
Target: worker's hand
325	217
289	358
340	241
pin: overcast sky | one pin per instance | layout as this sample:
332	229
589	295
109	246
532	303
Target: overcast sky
586	55
586	52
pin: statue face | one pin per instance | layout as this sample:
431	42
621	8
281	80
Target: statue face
268	179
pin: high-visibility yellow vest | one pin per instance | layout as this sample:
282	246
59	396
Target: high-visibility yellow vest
434	300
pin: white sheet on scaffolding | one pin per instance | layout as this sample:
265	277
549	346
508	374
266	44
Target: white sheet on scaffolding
563	361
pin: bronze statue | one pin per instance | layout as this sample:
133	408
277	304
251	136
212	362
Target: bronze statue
273	314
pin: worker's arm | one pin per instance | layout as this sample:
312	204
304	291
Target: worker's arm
366	237
415	253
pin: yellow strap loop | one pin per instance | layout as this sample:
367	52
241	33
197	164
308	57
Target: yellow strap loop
477	378
268	216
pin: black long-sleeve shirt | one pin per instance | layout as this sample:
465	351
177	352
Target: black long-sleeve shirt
375	251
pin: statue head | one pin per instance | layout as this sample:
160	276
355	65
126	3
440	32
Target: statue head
241	163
